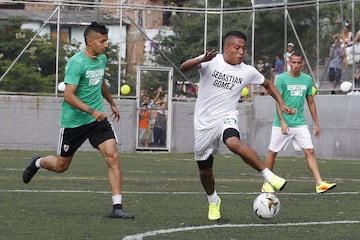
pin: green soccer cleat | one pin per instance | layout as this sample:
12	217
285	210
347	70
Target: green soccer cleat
278	182
267	188
324	187
214	210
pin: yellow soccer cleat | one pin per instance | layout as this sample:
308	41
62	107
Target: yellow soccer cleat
267	188
214	210
324	187
277	182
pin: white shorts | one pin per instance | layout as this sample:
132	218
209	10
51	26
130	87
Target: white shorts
207	140
299	136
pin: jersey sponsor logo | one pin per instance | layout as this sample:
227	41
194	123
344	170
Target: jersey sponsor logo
296	90
94	76
226	81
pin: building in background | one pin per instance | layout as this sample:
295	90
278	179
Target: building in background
137	35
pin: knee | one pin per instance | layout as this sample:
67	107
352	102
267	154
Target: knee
233	144
62	164
231	138
205	167
112	159
309	153
206	173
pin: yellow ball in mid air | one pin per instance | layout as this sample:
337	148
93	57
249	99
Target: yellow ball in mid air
125	89
245	92
313	91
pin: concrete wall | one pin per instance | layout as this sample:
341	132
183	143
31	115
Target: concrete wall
31	123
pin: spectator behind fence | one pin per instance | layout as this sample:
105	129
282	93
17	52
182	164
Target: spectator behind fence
279	66
290	50
336	62
345	37
159	122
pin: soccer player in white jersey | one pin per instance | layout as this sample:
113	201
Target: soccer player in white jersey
222	78
295	87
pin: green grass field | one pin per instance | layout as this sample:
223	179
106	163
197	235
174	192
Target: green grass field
164	193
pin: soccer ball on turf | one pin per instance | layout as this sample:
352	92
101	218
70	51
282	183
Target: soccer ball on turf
266	205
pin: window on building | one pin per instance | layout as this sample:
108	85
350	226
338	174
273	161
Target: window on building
64	33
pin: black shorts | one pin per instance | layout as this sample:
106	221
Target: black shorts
334	75
70	139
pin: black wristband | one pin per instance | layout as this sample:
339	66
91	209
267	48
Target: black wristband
90	111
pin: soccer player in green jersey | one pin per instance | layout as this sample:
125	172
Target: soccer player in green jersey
295	87
83	116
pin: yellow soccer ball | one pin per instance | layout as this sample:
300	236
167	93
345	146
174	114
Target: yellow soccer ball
125	89
313	91
245	92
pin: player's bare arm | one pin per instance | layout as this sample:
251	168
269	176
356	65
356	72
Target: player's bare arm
107	95
312	108
274	92
196	62
283	124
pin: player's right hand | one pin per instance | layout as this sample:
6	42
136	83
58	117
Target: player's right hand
209	55
288	110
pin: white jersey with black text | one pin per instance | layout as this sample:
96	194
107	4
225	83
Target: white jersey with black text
220	89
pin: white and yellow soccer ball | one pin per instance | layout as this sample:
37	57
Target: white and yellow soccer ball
61	86
266	205
345	86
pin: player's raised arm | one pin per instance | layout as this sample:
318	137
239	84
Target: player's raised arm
194	63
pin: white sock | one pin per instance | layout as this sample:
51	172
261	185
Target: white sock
267	174
116	199
37	163
213	198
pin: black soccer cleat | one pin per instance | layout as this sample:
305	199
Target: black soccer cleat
31	169
120	213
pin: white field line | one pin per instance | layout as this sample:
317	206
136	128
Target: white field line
141	236
165	193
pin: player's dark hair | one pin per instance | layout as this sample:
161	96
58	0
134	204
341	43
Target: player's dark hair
95	27
297	54
234	34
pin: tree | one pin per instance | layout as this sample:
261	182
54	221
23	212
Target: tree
35	70
188	38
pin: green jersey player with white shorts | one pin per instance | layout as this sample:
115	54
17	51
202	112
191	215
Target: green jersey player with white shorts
295	87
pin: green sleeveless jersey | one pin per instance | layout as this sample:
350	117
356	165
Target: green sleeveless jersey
294	91
87	74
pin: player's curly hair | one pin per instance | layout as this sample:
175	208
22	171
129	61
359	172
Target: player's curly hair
95	27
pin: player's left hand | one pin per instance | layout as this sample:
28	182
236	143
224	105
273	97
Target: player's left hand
284	128
99	115
317	131
115	113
